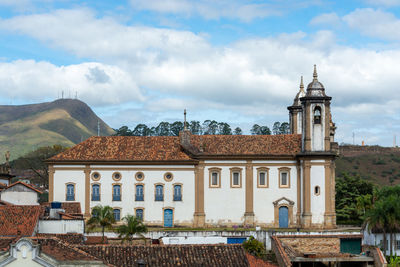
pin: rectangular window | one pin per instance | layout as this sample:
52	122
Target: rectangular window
159	193
139	193
397	244
117	214
95	192
262	178
214	177
70	192
284	177
177	193
236	177
116	193
139	214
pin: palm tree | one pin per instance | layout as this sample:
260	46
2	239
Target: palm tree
132	226
376	218
101	217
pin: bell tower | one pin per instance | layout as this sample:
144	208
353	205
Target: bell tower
316	115
317	158
295	111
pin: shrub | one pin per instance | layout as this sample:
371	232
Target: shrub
254	247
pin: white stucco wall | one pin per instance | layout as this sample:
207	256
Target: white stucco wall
299	122
317	178
61	178
263	197
153	210
376	239
61	226
224	205
20	198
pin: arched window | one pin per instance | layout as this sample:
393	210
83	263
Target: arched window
139	193
139	214
116	192
95	192
177	193
317	115
159	193
70	196
117	214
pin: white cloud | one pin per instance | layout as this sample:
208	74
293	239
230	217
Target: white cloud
387	3
331	19
34	81
162	71
374	23
209	9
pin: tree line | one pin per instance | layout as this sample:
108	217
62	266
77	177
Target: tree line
196	127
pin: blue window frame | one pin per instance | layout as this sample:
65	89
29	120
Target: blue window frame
70	192
177	193
116	193
139	214
139	193
117	214
95	192
159	193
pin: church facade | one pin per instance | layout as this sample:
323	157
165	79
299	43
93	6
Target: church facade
211	180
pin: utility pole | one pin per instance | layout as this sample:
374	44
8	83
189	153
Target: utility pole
353	139
98	128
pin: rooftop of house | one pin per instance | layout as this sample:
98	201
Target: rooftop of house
169	148
23	184
18	220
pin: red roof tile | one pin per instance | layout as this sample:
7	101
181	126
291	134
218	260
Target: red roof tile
125	148
247	145
171	255
24	184
256	262
168	148
18	220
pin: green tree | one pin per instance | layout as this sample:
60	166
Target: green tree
256	129
363	203
264	130
195	127
123	131
102	216
348	189
35	161
237	131
284	128
224	128
276	128
163	129
254	247
132	226
141	130
176	127
210	127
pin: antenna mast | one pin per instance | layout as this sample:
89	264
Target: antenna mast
98	128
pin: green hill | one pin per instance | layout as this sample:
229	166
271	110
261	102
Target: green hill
64	121
380	165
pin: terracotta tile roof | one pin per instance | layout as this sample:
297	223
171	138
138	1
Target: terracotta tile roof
5	242
93	240
18	220
168	148
2	186
256	262
125	148
223	145
72	210
71	238
62	251
24	184
171	255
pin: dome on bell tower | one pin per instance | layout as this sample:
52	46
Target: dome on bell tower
300	94
315	88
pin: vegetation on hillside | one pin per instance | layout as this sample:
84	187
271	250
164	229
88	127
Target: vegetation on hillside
34	163
64	121
207	127
378	168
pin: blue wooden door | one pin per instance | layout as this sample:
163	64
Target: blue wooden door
167	218
283	217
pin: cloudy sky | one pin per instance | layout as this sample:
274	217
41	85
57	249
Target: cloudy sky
237	61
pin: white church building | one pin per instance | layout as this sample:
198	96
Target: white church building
285	181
